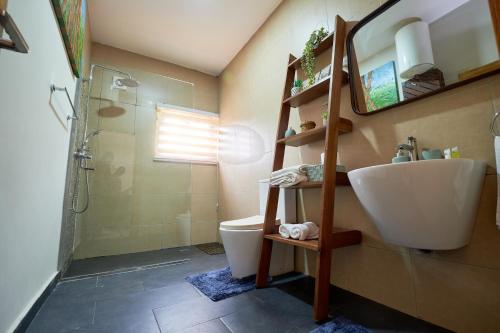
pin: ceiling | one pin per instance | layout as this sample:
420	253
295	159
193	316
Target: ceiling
204	35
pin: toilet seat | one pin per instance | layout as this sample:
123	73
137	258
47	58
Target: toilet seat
249	223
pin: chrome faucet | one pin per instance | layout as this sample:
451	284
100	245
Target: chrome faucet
404	148
412	142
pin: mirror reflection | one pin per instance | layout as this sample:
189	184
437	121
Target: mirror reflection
416	48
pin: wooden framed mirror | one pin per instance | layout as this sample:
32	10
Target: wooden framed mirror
407	50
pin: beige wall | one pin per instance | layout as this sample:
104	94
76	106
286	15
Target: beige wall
138	204
206	86
460	289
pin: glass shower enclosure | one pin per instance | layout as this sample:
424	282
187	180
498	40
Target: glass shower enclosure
137	203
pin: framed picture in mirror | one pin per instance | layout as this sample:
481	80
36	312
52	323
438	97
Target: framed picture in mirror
407	50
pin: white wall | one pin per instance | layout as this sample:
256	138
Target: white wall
463	39
34	151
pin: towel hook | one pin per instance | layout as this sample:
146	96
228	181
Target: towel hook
54	88
492	124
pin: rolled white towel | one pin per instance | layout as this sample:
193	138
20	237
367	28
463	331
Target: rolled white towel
284	230
300	231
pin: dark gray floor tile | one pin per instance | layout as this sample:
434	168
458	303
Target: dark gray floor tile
257	318
55	317
379	317
187	314
300	330
295	311
166	276
305	327
75	291
144	302
119	284
212	326
275	311
142	299
143	322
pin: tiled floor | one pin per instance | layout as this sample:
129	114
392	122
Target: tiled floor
158	299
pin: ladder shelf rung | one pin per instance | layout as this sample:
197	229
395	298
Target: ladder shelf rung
316	134
341	177
339	238
317	90
308	244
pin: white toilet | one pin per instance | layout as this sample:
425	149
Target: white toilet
242	238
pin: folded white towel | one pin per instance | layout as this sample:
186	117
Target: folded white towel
289	176
301	168
288	180
300	231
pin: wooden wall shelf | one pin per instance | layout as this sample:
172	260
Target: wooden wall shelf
339	238
316	134
341	180
324	45
317	90
329	237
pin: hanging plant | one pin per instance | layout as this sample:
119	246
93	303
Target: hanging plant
308	60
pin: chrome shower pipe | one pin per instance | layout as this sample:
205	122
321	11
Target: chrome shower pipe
82	159
89	80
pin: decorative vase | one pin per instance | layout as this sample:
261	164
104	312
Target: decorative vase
290	132
325	121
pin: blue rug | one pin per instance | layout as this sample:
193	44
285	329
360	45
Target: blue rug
340	325
219	284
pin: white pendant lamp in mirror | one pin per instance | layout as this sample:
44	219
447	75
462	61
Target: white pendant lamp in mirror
414	49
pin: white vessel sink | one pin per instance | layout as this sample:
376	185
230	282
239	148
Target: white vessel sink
427	205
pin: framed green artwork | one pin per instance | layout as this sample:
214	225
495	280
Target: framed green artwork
381	87
71	15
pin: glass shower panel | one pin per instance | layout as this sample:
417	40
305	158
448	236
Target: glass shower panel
136	203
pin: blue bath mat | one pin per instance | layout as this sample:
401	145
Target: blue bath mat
340	325
219	284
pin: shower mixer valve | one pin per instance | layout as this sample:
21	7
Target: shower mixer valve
82	153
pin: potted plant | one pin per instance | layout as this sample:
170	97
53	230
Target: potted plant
324	117
297	87
308	60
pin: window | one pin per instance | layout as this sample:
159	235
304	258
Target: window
186	135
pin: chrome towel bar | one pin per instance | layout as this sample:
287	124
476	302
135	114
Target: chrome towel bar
54	88
16	42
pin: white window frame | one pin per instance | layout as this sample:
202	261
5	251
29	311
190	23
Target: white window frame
160	107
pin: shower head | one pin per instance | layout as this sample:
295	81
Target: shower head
131	83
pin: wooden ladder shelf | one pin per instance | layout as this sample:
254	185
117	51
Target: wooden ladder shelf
329	237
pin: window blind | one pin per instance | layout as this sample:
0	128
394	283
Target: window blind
185	135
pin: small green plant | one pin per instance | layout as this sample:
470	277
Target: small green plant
297	83
324	115
308	59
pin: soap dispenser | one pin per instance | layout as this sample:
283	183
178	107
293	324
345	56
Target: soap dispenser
400	155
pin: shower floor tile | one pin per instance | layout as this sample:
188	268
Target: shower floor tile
119	297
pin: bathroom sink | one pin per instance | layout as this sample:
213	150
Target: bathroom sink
429	205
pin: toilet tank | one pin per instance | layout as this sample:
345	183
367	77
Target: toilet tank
286	204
